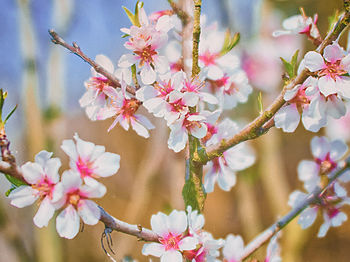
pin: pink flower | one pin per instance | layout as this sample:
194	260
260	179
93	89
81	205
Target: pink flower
331	70
145	42
223	169
42	177
77	205
90	161
299	24
95	96
123	109
171	230
187	124
233	248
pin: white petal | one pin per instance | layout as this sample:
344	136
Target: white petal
67	222
333	53
107	164
154	249
313	61
105	62
307	217
188	243
199	131
44	213
146	93
177	222
159	224
23	196
327	85
287	118
51	169
177	139
320	147
161	65
32	172
127	60
209	180
69	148
42	157
323	229
171	256
148	75
89	212
338	149
139	129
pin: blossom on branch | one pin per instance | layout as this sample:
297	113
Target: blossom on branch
90	161
233	249
171	230
42	177
76	204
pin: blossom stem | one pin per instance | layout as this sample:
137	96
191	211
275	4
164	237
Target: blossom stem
313	197
196	36
258	126
182	14
75	49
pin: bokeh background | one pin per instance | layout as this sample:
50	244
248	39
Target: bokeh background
46	82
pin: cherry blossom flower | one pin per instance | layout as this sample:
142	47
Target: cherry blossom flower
331	70
299	24
330	203
171	231
326	157
233	248
90	161
207	247
187	124
232	89
77	205
95	96
223	169
340	128
42	177
123	109
301	102
145	42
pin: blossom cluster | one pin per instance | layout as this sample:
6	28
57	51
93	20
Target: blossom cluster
181	236
327	159
71	192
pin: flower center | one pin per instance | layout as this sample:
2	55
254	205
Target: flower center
130	106
208	58
98	83
326	164
177	106
45	188
171	242
164	88
74	197
332	70
85	167
211	130
146	55
231	89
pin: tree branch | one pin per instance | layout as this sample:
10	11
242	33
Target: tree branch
260	125
276	227
75	49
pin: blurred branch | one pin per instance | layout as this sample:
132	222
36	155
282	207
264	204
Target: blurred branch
75	49
276	227
182	14
262	123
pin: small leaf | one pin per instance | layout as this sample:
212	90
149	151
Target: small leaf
125	35
7	193
288	67
14	181
260	103
10	114
229	42
130	15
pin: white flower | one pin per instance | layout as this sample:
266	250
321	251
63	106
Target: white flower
42	177
77	204
273	250
170	230
90	161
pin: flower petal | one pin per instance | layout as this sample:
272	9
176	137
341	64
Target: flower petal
67	222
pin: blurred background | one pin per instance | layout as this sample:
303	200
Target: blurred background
46	82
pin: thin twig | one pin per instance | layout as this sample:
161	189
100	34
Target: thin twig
182	14
259	125
272	230
75	49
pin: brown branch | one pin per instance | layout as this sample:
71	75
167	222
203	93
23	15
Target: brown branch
257	127
75	49
313	197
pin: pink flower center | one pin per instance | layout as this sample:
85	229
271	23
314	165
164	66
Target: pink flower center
332	70
193	86
300	99
326	164
45	188
164	88
231	89
176	67
129	108
211	130
85	167
190	125
74	196
171	242
177	106
98	83
208	58
146	55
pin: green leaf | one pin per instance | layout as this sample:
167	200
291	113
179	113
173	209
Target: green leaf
333	19
134	18
14	181
292	66
10	114
192	193
125	35
229	42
